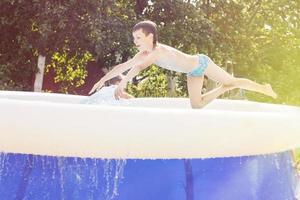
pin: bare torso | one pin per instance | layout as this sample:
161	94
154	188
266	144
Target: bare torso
173	59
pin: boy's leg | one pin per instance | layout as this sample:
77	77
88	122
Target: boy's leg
253	86
198	100
216	73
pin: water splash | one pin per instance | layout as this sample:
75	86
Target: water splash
113	170
2	163
61	165
105	96
112	174
277	161
57	177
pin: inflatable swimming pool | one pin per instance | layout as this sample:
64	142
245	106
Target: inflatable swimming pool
143	127
57	146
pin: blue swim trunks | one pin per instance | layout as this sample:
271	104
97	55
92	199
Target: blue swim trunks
204	60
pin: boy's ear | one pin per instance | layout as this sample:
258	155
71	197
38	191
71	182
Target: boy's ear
150	35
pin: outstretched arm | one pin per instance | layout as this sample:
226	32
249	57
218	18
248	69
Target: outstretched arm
141	65
117	70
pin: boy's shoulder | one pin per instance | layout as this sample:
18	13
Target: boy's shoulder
164	47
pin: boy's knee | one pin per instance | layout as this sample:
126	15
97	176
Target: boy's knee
197	104
231	82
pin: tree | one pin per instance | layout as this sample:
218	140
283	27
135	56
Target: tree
259	38
16	51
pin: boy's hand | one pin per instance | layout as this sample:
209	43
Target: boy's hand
120	93
97	86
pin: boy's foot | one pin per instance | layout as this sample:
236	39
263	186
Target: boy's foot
269	91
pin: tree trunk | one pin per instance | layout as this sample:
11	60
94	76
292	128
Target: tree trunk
171	86
38	83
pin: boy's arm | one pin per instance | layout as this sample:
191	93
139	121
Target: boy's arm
141	65
117	70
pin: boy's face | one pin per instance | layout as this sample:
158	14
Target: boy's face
141	41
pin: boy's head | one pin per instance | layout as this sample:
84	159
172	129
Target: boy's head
144	33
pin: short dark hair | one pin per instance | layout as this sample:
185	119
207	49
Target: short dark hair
147	28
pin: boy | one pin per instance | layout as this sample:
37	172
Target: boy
195	66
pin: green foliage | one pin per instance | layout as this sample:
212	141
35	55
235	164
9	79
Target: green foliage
297	151
297	157
154	84
16	52
260	38
70	69
275	50
29	28
180	85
